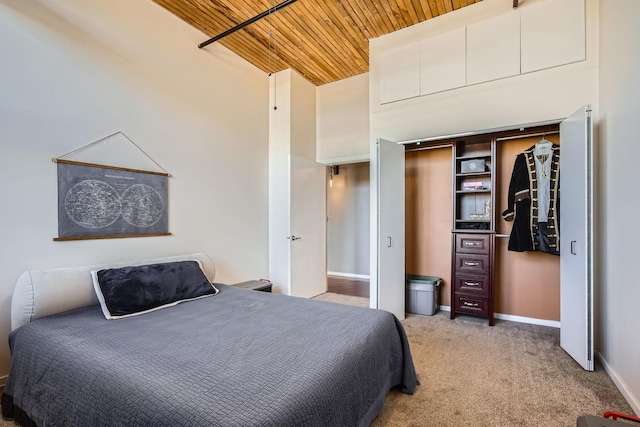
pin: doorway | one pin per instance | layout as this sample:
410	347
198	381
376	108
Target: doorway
348	230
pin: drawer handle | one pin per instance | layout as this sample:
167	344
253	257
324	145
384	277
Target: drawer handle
472	283
472	243
470	304
471	264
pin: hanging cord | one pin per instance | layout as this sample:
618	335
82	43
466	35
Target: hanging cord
272	34
275	77
84	147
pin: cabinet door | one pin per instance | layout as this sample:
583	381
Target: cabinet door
493	48
400	73
442	62
576	238
552	34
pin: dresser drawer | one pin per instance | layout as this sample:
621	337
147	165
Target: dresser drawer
472	243
472	284
472	305
472	264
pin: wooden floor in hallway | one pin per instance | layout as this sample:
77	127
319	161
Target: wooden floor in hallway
348	286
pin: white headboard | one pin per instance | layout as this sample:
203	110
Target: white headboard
40	293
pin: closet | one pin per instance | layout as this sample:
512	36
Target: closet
428	201
454	229
537	297
521	286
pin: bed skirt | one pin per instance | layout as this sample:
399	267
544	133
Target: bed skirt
14	413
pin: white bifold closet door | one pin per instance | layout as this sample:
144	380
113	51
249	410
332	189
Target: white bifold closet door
387	228
576	237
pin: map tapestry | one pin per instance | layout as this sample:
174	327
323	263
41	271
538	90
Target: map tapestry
97	201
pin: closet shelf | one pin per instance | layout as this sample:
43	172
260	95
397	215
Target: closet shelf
474	156
471	231
472	191
485	173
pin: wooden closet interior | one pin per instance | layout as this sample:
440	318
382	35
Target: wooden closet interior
443	238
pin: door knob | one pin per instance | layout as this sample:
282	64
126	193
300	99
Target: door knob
294	238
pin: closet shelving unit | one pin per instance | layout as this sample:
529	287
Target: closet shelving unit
473	234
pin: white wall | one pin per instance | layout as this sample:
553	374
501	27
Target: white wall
303	117
292	132
617	317
348	225
538	96
74	71
279	180
343	120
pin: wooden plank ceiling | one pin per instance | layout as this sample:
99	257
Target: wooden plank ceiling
323	40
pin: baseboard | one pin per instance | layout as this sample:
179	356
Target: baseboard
530	320
634	401
349	275
519	319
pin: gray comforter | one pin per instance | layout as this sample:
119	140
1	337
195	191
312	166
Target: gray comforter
240	358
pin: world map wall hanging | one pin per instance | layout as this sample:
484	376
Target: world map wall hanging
101	201
97	202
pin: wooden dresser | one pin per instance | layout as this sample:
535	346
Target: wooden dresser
472	290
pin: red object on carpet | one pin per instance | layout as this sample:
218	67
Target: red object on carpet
615	415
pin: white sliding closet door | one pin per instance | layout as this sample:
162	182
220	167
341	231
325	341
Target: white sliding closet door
576	237
387	225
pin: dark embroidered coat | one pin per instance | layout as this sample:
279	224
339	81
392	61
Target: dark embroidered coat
526	233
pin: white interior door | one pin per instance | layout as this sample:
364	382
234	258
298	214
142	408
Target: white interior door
308	223
576	237
387	224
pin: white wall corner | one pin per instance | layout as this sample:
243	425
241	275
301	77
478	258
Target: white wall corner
634	401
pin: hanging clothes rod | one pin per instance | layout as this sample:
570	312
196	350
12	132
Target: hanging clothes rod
431	147
529	135
247	22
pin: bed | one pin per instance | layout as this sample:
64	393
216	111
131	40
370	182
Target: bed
237	358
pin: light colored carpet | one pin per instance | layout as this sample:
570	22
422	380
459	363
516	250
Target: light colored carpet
507	375
511	374
343	299
474	375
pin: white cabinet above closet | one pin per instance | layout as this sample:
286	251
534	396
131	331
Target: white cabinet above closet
400	73
536	36
493	48
553	33
442	62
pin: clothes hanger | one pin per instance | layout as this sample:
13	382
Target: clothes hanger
544	143
542	149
